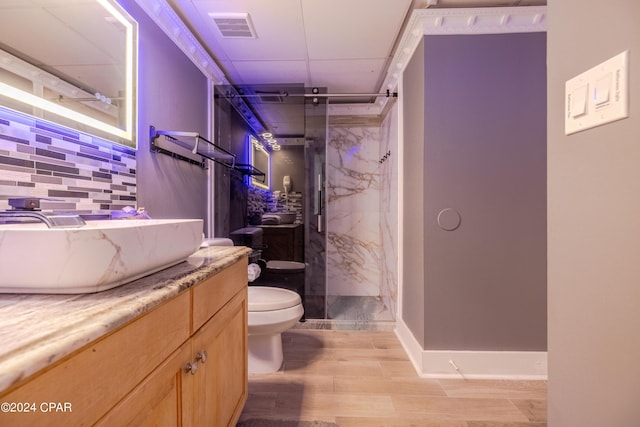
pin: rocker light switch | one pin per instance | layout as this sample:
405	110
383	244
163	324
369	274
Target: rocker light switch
601	91
578	101
598	96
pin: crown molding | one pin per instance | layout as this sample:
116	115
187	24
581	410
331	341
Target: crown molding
170	23
487	20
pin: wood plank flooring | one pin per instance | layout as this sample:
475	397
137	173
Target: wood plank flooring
365	379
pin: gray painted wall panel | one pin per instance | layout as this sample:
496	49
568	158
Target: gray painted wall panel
485	157
594	227
412	174
172	96
475	141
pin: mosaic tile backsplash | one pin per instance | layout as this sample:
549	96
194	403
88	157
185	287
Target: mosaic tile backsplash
262	201
77	172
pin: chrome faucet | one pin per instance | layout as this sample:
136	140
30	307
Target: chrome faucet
51	220
30	208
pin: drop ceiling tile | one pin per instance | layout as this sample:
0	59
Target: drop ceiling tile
282	123
361	29
347	76
277	23
260	72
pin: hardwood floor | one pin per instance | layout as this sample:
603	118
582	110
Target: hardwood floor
364	379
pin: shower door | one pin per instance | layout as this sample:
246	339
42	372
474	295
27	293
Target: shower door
315	218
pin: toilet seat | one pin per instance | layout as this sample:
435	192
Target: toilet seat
263	298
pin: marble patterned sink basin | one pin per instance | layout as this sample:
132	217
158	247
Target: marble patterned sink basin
99	256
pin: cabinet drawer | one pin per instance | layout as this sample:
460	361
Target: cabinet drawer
96	377
210	295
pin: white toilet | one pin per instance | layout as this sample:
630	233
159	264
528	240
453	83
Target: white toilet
271	312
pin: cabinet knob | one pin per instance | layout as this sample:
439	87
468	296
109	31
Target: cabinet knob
201	356
191	368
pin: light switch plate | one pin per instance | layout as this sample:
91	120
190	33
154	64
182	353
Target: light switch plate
607	95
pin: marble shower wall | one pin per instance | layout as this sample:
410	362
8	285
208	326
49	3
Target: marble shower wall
389	211
361	208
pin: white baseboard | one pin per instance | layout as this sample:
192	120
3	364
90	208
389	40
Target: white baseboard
511	365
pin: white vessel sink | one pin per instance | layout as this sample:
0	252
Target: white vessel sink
99	256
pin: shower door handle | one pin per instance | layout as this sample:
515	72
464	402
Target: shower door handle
318	207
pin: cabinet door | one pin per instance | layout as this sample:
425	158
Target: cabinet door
284	243
279	245
220	385
94	379
164	398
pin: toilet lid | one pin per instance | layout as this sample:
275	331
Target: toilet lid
264	298
285	265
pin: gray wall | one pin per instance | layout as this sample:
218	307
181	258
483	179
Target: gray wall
484	156
594	227
413	288
172	96
231	133
288	161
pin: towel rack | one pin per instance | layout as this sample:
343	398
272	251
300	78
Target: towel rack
193	148
247	169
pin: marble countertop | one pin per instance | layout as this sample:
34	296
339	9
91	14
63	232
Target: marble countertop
38	330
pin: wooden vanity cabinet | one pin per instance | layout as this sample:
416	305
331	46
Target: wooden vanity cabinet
95	378
220	384
165	397
283	242
183	363
220	334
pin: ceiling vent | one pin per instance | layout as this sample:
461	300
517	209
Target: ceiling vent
234	25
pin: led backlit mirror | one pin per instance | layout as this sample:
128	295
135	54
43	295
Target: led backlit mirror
260	159
72	63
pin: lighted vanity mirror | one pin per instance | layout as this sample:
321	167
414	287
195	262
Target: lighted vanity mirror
73	63
260	159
